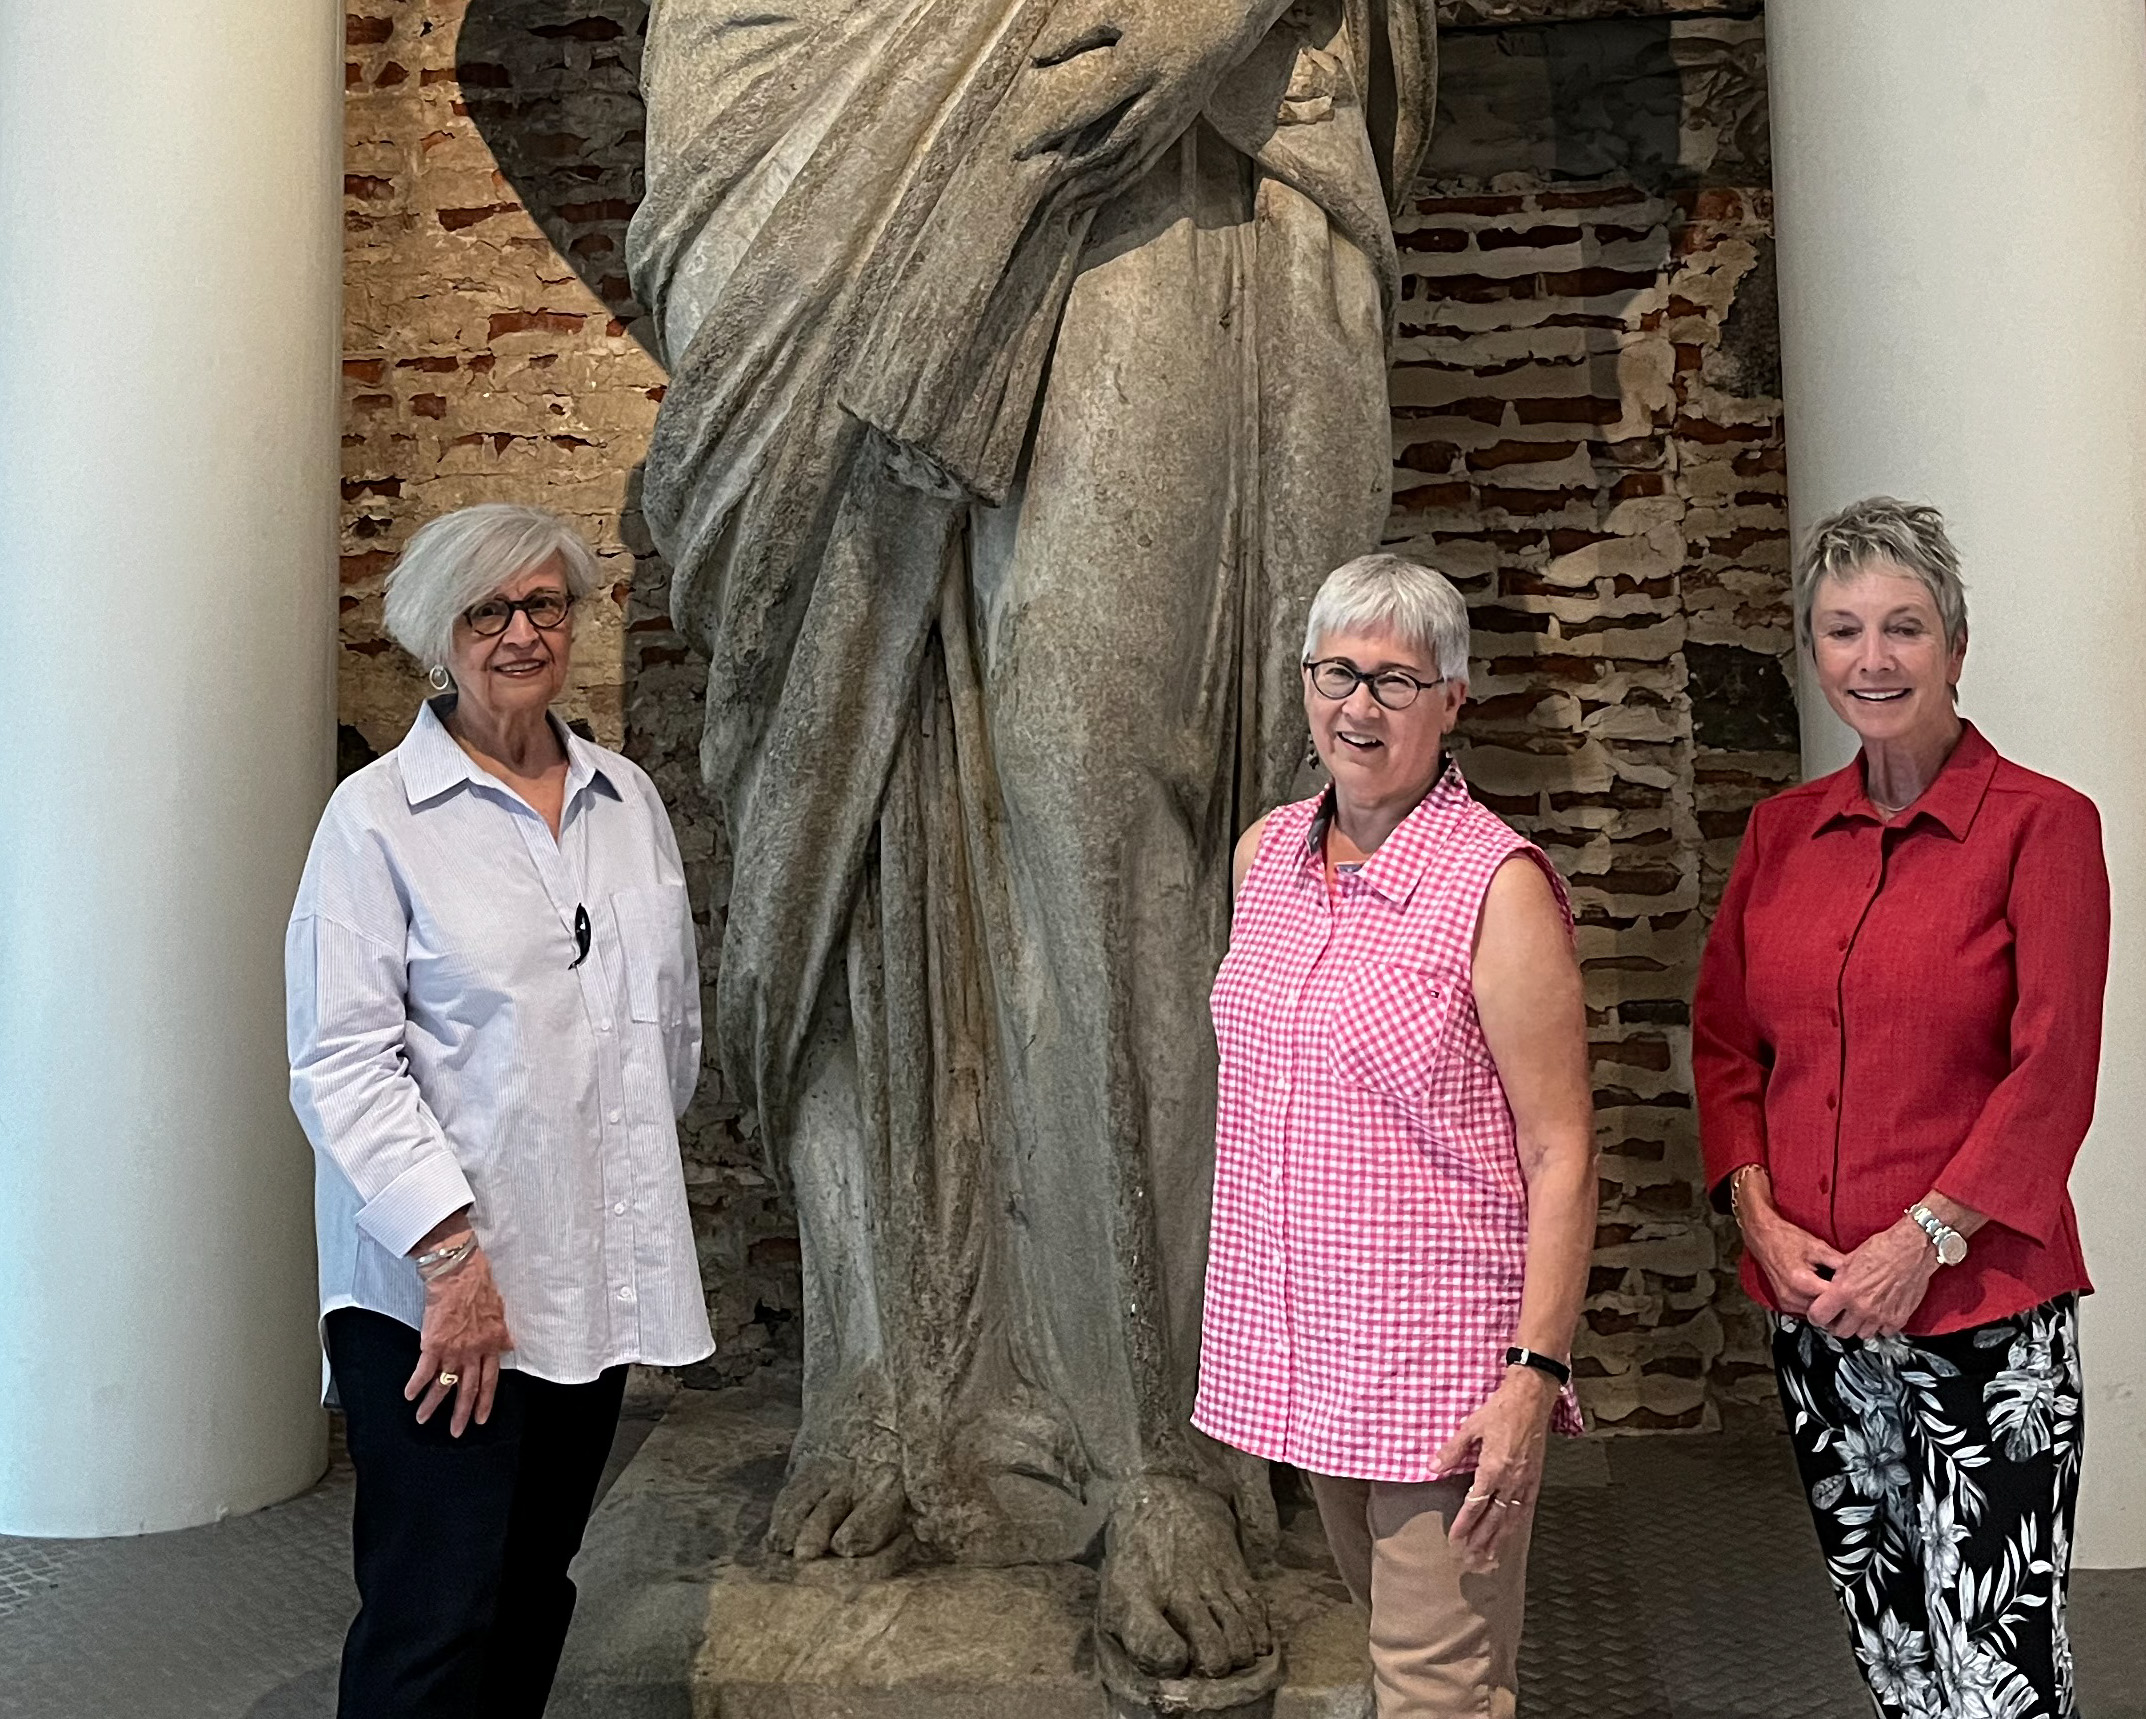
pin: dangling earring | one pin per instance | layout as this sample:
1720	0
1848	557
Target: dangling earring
439	677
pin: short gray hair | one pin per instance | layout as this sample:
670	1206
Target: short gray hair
1391	594
1878	528
456	561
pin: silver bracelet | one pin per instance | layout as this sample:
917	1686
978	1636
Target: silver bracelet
441	1260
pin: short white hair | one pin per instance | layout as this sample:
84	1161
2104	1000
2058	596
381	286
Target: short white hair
454	562
1874	531
1391	594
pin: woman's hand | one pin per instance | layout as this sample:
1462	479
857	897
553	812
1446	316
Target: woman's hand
1508	1434
1788	1254
1876	1291
465	1333
1117	82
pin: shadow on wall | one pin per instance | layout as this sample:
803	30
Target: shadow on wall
539	139
1645	103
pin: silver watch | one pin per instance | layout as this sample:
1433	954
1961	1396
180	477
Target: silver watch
1950	1244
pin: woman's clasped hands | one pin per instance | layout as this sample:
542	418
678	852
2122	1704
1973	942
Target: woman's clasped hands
1872	1291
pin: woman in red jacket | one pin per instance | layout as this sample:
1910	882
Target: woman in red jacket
1895	1039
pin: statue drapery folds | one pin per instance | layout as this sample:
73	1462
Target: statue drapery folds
1028	372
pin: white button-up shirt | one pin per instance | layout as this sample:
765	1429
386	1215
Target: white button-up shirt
448	1050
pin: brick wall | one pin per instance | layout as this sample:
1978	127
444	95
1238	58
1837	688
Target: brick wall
1586	439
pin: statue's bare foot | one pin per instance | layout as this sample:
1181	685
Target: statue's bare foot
1176	1593
850	1506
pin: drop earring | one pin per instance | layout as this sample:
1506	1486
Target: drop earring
439	677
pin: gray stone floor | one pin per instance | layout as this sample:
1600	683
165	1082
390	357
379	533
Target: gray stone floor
1672	1578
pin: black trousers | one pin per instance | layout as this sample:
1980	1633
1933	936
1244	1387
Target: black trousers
1943	1475
461	1545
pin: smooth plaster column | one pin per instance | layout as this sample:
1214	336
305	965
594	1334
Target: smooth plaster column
1961	221
170	293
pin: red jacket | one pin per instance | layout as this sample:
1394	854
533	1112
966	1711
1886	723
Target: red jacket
1884	1011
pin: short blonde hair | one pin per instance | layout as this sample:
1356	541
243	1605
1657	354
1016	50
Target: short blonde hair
1391	594
454	562
1878	528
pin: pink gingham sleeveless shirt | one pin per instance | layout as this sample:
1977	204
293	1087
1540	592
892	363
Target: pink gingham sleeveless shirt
1370	1217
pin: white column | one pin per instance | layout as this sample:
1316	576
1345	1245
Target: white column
170	292
1961	192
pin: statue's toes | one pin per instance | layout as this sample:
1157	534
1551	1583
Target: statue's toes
794	1504
1242	1618
1204	1635
874	1519
817	1531
1146	1636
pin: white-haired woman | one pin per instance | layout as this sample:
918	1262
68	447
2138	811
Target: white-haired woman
494	1022
1895	1041
1405	1166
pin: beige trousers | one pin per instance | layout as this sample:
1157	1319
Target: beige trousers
1444	1644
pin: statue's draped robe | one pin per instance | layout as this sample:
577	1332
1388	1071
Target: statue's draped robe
998	523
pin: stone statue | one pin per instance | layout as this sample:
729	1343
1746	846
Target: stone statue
1028	372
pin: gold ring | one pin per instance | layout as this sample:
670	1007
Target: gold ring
450	1380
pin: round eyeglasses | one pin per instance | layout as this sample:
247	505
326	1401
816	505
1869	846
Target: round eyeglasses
545	609
1337	678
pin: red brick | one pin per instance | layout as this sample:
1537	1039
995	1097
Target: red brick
455	220
534	322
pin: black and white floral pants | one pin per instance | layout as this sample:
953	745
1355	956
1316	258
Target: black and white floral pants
1943	1475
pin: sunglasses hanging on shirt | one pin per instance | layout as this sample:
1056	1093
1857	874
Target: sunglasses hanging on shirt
581	937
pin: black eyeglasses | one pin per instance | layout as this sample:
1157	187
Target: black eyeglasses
1338	678
545	609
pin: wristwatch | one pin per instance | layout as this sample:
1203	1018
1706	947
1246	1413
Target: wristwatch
1950	1244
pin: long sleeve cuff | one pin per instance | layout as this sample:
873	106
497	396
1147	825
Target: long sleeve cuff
402	1212
2028	1204
1717	1187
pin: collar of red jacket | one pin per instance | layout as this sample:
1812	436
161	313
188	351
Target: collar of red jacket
1394	871
1952	800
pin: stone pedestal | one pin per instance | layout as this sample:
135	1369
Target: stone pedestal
684	1614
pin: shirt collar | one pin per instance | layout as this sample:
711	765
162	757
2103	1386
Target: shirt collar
1395	869
432	762
1952	800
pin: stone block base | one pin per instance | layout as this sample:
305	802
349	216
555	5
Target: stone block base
684	1616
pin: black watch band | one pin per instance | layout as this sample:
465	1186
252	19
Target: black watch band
1519	1357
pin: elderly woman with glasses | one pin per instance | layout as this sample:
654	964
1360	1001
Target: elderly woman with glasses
1895	1042
1404	1200
494	1023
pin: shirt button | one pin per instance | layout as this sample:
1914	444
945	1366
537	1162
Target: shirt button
603	1026
619	1210
1824	1182
1829	1101
626	1294
613	1117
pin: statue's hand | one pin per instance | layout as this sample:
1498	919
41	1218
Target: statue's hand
1116	82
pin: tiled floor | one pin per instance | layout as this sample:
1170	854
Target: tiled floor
1672	1578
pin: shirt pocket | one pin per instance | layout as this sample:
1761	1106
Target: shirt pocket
654	947
1388	1032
